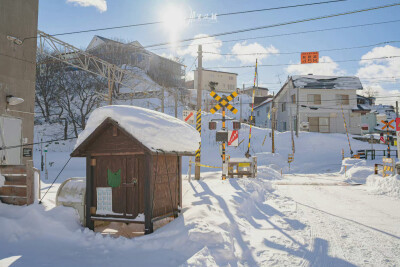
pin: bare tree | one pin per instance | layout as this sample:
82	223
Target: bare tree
79	96
370	92
47	74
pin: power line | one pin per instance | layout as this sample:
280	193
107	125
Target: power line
328	100
190	18
285	34
299	64
297	52
278	24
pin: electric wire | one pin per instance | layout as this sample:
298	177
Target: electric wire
299	64
190	18
277	24
297	52
280	35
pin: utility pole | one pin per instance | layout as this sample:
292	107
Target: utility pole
162	98
397	109
297	111
240	99
198	117
223	145
176	103
273	126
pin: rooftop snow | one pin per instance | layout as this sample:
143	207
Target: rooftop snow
155	130
327	82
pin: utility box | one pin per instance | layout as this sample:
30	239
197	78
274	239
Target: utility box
242	167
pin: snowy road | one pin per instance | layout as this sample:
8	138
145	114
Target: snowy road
350	224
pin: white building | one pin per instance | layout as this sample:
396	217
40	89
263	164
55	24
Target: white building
227	81
314	103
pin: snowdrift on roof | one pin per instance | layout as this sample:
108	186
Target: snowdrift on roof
155	130
327	82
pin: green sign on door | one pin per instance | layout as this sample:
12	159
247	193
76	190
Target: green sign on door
114	178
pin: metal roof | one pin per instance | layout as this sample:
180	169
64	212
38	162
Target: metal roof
327	82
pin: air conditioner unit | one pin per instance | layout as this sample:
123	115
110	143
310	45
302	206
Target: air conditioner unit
304	126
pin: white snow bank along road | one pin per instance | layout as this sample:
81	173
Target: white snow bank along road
155	130
237	222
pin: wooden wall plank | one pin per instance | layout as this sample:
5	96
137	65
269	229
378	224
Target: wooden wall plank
19	191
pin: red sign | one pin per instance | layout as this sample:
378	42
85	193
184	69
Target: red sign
309	57
382	139
188	116
398	124
234	138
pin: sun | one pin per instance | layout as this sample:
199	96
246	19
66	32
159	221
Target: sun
174	21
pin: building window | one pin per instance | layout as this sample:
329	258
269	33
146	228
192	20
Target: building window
314	99
267	109
319	124
342	100
283	107
258	113
230	78
293	99
284	126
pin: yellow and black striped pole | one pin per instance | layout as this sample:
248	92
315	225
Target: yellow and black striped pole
198	151
252	112
223	146
345	127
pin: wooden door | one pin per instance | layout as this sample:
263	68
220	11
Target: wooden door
313	124
125	193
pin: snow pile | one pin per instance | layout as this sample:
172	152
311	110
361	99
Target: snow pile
224	223
155	130
356	170
389	185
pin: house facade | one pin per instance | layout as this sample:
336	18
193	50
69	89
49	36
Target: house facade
263	114
319	104
227	81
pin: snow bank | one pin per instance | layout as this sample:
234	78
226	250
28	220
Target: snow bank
389	186
155	130
356	170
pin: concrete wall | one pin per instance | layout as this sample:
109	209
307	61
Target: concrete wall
227	82
18	18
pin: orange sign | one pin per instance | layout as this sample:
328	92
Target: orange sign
309	57
387	124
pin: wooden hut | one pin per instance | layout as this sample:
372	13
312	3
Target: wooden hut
133	174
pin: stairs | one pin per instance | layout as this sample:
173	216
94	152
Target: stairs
18	188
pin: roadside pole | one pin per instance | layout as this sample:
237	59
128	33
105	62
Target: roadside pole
273	109
241	113
198	117
388	140
297	112
162	98
224	170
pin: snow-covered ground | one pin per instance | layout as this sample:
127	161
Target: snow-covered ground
310	215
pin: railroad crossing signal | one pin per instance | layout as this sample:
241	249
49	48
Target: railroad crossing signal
224	102
387	124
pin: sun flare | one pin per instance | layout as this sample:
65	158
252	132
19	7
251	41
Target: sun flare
174	21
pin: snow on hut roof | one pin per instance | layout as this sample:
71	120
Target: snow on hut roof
155	130
326	82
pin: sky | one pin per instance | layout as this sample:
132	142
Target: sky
282	52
